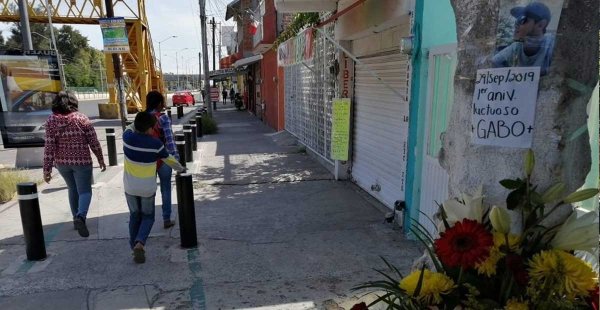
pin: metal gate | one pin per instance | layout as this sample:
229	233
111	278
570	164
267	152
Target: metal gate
309	90
381	126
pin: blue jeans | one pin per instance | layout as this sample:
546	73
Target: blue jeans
164	177
141	218
79	182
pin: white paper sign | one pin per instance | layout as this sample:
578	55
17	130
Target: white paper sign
504	106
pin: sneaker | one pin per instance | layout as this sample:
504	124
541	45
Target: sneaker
81	228
139	255
168	224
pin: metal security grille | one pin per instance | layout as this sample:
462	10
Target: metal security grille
309	91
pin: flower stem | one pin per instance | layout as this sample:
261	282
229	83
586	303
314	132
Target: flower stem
460	275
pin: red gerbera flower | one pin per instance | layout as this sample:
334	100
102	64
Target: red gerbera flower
465	244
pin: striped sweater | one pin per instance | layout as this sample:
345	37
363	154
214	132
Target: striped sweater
141	154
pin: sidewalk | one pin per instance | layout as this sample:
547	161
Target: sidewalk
274	230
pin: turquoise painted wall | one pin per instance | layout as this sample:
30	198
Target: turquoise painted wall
435	25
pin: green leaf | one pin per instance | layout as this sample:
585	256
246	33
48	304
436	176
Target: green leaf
515	198
420	283
511	184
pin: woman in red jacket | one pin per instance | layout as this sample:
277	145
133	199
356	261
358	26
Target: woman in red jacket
69	137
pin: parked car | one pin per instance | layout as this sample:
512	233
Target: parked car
183	98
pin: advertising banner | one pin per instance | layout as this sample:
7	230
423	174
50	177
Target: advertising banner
504	106
114	34
297	49
214	94
29	84
340	129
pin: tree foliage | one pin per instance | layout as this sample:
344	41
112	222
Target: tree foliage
82	63
300	22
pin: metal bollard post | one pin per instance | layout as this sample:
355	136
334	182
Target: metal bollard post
169	113
179	111
194	135
29	206
111	146
189	152
180	142
187	213
199	124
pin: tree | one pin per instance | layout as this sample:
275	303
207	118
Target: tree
561	108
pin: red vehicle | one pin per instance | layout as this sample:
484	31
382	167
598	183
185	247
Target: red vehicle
183	98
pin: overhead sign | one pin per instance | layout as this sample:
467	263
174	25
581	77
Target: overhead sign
29	84
504	106
297	49
340	129
114	34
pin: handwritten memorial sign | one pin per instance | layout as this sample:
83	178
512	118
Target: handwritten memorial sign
340	129
504	106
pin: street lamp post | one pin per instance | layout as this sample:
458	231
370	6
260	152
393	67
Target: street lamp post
61	71
160	52
177	64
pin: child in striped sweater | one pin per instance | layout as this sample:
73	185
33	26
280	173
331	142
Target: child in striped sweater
142	151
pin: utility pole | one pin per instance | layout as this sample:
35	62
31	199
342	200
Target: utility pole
213	57
116	59
200	71
220	42
205	53
25	30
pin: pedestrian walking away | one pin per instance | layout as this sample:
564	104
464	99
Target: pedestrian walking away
224	93
69	138
155	104
232	95
142	152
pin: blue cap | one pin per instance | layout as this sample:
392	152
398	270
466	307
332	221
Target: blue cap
535	10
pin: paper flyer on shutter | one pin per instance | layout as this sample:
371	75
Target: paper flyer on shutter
504	104
340	129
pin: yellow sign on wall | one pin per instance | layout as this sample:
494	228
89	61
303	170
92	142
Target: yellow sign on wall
340	129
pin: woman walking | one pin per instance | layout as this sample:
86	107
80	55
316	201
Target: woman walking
155	104
69	137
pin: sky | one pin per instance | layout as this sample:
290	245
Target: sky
168	18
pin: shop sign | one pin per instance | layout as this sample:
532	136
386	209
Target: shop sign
504	106
297	49
214	94
114	35
340	129
346	75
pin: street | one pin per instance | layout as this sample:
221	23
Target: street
274	231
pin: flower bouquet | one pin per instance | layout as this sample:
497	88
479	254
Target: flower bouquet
519	257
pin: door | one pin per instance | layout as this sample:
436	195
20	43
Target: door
440	95
381	126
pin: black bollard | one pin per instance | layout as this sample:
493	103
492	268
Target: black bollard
189	152
214	105
29	206
194	135
187	213
169	113
180	142
179	112
199	124
111	146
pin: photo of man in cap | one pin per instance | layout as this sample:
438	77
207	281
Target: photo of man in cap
532	46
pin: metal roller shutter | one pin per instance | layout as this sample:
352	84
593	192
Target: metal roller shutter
381	127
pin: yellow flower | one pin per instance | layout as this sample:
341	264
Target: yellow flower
513	241
516	305
434	285
488	266
565	274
